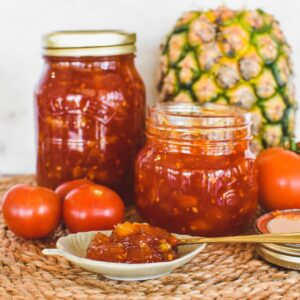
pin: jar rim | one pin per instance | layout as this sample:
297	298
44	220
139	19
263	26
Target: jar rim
190	123
190	115
89	43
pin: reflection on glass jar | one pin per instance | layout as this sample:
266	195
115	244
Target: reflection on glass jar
89	110
196	174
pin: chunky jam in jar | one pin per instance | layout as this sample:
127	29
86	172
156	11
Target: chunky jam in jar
90	110
196	174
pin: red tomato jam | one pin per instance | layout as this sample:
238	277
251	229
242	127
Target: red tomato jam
134	243
196	174
90	113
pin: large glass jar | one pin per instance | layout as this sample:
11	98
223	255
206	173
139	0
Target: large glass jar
90	110
196	174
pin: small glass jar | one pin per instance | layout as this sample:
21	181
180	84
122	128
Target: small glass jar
90	110
196	174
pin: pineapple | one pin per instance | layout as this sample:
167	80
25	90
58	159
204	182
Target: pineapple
234	57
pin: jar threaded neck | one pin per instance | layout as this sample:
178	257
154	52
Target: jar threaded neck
216	126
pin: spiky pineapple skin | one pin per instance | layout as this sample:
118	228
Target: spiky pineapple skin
235	57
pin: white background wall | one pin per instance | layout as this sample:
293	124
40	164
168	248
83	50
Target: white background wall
23	22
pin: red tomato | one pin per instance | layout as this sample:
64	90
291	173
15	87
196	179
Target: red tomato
279	179
31	212
68	186
92	207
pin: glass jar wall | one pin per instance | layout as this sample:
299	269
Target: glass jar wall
196	174
90	106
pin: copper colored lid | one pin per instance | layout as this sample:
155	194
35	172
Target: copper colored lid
284	221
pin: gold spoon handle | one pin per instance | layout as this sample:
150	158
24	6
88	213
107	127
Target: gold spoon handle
280	238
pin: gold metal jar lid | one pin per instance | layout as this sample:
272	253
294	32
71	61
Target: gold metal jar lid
285	260
283	255
89	43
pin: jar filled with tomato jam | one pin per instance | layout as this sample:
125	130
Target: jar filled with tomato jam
90	110
196	174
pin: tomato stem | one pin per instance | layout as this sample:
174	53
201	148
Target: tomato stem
294	147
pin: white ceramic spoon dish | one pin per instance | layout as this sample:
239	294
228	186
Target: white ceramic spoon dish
74	246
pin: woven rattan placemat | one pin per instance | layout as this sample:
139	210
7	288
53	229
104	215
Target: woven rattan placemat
220	272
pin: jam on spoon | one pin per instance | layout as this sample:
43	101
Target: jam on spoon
142	243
